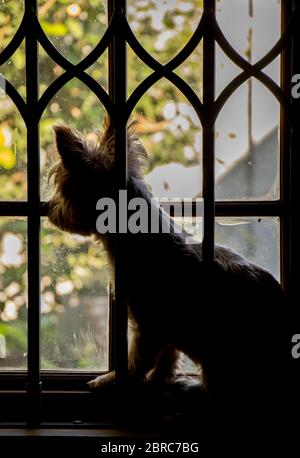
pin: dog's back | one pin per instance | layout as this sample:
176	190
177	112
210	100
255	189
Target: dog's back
231	318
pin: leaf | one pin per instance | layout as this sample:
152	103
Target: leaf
17	336
7	158
75	28
55	30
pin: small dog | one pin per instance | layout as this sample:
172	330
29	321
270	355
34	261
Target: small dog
229	318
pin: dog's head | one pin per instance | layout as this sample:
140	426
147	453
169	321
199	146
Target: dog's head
85	173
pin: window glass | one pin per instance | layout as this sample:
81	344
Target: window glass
247	145
11	13
74	28
12	130
13	293
166	121
163	27
74	302
247	129
257	239
171	132
13	168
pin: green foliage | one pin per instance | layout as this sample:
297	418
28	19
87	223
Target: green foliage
54	30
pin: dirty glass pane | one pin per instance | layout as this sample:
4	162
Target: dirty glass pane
13	293
257	239
74	300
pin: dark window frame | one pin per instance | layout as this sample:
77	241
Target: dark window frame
20	393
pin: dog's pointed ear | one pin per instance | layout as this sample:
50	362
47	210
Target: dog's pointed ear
70	145
108	126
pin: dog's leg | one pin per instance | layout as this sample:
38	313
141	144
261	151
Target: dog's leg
101	381
143	353
165	366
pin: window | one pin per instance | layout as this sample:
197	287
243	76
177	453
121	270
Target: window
214	108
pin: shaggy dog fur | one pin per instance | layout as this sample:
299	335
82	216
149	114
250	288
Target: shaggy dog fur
230	318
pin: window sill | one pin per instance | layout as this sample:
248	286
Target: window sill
90	431
131	408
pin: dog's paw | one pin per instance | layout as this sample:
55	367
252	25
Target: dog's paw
102	381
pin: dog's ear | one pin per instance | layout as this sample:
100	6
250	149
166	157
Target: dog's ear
70	145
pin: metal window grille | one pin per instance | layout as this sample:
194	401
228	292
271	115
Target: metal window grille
116	37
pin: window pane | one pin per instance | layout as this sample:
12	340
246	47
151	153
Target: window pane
167	123
171	133
11	13
191	225
13	293
236	17
164	27
12	128
13	159
13	185
247	129
73	27
74	302
247	153
257	239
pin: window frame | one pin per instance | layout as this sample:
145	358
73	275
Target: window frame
21	389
